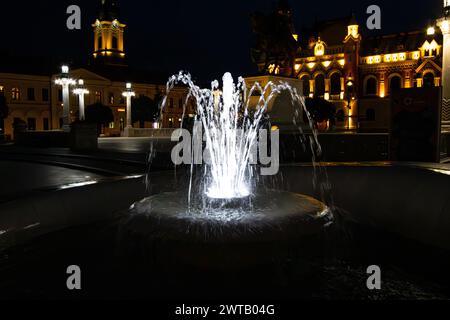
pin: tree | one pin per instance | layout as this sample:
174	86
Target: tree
321	110
4	111
144	109
99	114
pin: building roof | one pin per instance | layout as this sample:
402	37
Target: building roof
392	43
332	32
129	74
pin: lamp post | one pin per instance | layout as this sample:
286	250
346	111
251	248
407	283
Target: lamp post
128	93
81	91
444	24
65	81
350	87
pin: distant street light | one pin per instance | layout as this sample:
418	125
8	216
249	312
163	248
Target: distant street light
350	97
81	91
65	81
129	93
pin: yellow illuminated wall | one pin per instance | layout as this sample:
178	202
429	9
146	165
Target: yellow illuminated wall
109	38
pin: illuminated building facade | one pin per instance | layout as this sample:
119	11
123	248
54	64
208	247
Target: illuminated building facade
33	96
358	73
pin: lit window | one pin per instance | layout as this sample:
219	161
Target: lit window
98	96
15	94
111	98
326	64
319	49
430	49
111	125
2	90
273	69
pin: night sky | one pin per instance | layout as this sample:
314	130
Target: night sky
206	38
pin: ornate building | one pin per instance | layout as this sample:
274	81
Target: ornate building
356	73
32	95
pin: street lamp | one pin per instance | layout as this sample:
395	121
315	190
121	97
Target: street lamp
65	81
128	93
81	91
350	97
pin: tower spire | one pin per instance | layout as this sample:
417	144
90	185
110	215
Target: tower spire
108	10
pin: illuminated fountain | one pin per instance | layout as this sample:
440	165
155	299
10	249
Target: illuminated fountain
225	204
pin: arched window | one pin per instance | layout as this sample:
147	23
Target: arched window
100	43
320	85
335	84
98	96
370	115
428	80
115	42
395	83
15	94
306	89
371	86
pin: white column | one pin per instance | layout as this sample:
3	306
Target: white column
82	115
129	93
66	107
444	24
65	82
129	121
81	91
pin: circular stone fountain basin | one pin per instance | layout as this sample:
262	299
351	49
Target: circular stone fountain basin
255	233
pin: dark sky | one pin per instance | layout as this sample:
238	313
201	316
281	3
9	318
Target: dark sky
204	37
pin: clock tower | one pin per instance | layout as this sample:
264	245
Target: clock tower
109	35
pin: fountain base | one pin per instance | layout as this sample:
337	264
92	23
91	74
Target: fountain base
253	231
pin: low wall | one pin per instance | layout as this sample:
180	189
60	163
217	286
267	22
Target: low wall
151	133
337	147
410	201
54	139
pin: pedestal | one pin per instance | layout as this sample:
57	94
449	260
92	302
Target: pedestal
128	132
